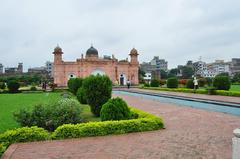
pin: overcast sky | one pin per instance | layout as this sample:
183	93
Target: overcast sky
176	30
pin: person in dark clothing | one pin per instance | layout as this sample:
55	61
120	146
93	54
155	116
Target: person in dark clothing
128	84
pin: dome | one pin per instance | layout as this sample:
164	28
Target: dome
92	52
58	49
133	52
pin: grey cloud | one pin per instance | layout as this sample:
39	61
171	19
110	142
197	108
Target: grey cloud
177	30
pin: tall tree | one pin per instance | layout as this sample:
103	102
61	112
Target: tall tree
187	72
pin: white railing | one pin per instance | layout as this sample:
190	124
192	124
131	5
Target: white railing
236	144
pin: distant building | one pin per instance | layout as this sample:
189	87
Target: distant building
148	76
147	67
154	67
14	70
118	71
160	64
49	68
38	70
1	68
235	65
219	66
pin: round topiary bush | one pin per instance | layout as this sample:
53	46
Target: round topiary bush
13	86
74	84
190	84
222	83
81	95
98	90
155	83
115	109
172	82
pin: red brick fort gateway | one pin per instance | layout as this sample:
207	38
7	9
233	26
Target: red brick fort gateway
118	71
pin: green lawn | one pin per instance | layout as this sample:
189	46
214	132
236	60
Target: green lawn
88	115
10	103
235	88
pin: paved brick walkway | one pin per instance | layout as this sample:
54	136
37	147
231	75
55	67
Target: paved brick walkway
190	134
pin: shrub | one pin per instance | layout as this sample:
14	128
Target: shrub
98	90
162	82
24	134
81	95
172	82
13	86
50	117
190	84
74	84
23	117
3	147
202	82
66	111
52	86
115	109
155	83
146	122
146	85
2	85
222	83
182	81
209	81
33	88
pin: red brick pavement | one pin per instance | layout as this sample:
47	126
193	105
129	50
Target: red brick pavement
190	134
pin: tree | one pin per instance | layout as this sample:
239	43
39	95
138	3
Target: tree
236	77
164	74
223	74
187	72
141	74
98	90
74	84
13	86
174	71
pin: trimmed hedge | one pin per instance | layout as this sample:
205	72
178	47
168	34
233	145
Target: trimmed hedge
172	82
155	83
199	91
3	147
222	83
24	134
145	122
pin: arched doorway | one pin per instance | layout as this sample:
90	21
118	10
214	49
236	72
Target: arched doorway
98	72
122	79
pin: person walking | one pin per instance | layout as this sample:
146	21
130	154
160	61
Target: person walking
128	84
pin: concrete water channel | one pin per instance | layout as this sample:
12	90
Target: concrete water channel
210	105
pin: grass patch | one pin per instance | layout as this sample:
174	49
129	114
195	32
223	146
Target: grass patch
88	115
235	88
10	103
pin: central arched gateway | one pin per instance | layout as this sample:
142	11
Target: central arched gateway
98	72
